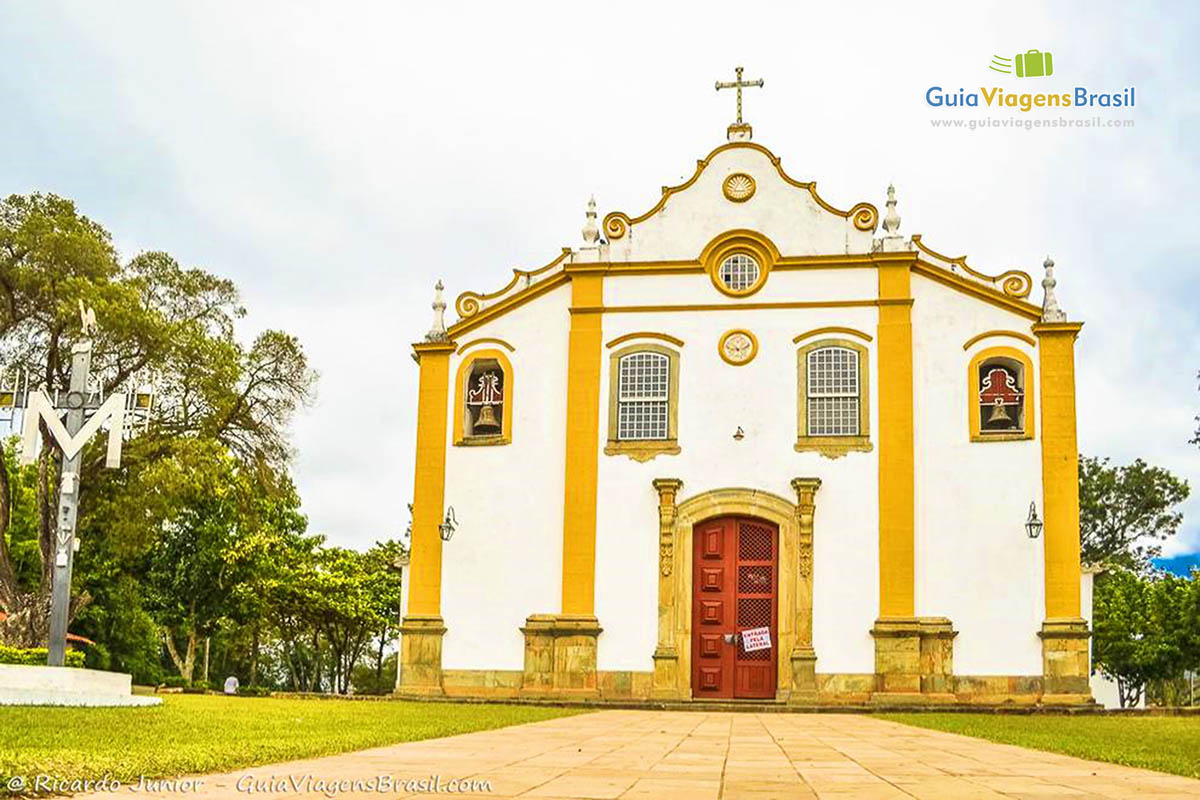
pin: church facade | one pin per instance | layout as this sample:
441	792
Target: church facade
747	417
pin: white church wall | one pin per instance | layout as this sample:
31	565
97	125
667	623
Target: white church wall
782	286
789	216
505	561
715	399
974	561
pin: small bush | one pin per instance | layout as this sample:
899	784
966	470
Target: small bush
35	656
174	682
254	691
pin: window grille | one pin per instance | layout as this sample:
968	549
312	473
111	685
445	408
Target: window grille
833	392
739	272
642	396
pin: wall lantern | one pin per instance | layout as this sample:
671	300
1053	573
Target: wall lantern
1033	525
448	526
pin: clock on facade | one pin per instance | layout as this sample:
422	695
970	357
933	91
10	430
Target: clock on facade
738	347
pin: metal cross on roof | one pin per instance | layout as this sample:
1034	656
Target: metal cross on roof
739	84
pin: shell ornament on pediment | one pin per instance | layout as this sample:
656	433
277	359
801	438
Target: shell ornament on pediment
738	187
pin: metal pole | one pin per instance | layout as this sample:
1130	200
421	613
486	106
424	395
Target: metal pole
68	508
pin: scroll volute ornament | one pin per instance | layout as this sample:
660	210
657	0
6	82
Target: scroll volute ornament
668	490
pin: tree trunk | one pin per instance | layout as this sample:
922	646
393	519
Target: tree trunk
207	640
185	665
254	657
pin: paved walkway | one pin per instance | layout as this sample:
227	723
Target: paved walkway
662	755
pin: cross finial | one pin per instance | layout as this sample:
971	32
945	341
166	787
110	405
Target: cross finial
739	129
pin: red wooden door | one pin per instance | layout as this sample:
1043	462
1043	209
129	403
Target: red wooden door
735	586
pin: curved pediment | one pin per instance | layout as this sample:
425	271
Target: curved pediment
740	185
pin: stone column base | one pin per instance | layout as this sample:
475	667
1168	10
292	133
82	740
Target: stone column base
560	655
937	656
665	684
421	655
914	660
897	656
804	676
1065	667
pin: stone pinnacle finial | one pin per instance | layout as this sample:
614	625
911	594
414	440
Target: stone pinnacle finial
1050	310
591	233
891	220
438	332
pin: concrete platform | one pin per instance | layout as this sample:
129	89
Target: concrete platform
22	685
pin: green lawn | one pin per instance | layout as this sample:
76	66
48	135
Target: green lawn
211	733
1166	744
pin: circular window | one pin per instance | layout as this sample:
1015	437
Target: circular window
739	272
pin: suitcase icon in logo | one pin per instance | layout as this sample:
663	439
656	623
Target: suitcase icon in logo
1034	64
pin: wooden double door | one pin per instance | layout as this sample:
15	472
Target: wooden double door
735	586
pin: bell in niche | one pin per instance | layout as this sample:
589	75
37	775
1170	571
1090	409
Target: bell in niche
999	414
486	422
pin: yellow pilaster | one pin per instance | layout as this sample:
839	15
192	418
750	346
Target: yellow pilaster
429	489
422	628
895	437
1060	467
582	448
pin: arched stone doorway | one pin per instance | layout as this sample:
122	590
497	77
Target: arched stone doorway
796	660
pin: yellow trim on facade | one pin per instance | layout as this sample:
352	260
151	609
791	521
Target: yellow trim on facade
486	340
896	504
507	304
468	304
429	480
831	329
740	241
582	454
1029	340
460	387
864	216
1060	468
996	298
1014	283
643	449
753	347
974	424
833	446
644	335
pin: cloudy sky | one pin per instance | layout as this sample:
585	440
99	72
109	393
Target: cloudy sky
335	159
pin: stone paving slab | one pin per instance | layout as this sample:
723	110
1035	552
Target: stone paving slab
671	755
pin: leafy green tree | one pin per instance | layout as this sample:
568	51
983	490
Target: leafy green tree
156	319
1145	629
1125	511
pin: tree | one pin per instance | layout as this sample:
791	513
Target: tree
1145	629
1125	511
156	318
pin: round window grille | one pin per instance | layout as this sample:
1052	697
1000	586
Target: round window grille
739	272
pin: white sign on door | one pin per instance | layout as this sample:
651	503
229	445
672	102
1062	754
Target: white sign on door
756	639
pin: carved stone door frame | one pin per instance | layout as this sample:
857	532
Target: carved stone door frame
672	656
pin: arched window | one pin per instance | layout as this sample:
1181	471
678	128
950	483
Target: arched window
832	399
483	399
643	402
1001	401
